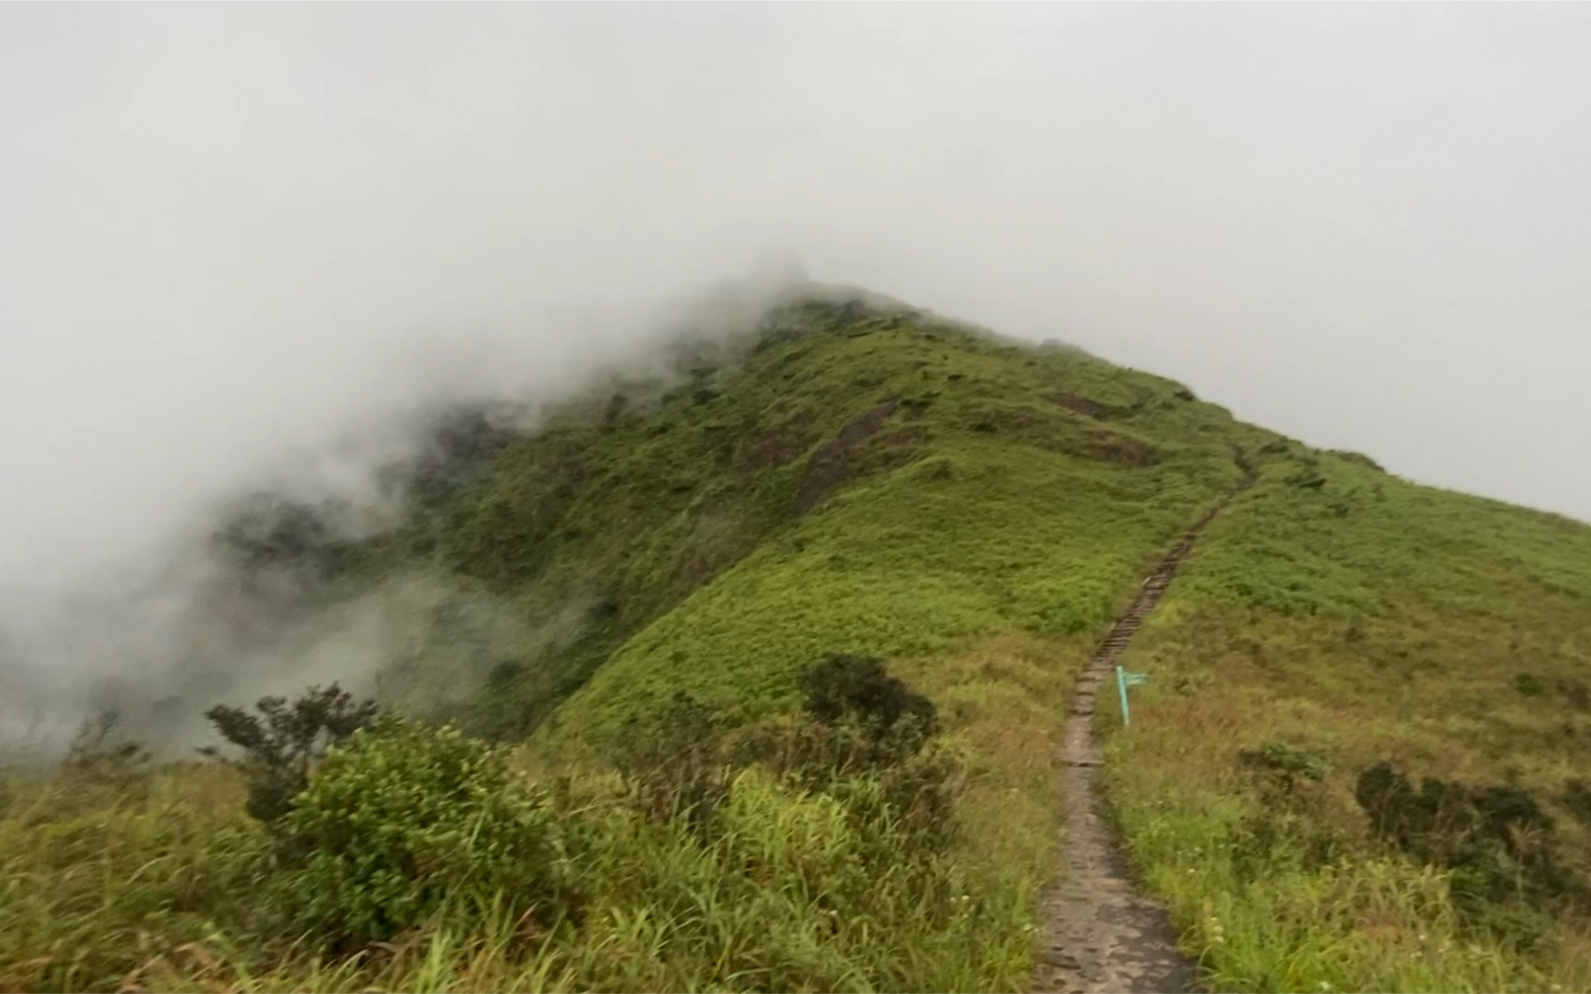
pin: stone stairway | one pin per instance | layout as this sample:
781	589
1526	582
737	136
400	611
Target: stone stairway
1101	935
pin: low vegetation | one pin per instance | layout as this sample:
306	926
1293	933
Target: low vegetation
766	663
822	851
1355	763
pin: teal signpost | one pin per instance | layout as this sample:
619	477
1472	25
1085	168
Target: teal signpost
1123	681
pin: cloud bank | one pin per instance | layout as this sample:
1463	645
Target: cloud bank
229	233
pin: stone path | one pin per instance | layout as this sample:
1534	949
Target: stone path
1101	935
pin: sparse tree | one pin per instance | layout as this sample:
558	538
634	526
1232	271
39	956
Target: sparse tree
284	741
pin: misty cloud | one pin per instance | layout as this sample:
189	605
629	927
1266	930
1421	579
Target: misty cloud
234	237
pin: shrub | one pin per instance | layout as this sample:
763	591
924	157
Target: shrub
1358	459
1496	839
280	751
1281	766
405	819
865	742
1577	800
1529	684
1307	479
886	720
272	531
910	804
1576	693
674	762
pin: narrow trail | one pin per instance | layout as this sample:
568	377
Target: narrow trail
1101	935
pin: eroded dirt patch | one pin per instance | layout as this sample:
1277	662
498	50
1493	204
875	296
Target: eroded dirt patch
831	464
781	445
1081	404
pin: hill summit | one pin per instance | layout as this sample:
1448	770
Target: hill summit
849	473
1357	759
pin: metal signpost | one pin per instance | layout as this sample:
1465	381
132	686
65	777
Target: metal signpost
1123	681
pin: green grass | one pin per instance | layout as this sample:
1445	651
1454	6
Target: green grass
911	566
154	880
619	509
1367	619
879	482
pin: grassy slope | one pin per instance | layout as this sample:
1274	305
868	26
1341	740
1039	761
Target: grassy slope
877	481
1366	619
967	524
977	504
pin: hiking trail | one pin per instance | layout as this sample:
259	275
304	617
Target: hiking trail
1100	934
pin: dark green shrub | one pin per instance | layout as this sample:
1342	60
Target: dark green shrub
1529	684
1272	839
860	739
405	819
1499	843
1358	459
873	719
282	744
464	443
273	532
1286	828
866	741
99	756
910	803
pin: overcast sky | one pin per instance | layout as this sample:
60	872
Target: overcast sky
225	227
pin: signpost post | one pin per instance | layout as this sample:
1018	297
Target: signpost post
1123	681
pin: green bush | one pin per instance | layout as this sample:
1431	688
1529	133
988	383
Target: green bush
1358	459
866	740
911	804
1280	767
1576	693
1577	799
1499	843
890	721
405	819
99	757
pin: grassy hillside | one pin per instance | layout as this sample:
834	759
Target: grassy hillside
866	459
859	478
1338	617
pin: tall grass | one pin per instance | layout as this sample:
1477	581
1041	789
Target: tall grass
1359	620
153	879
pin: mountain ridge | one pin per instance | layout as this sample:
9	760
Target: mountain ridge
840	478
